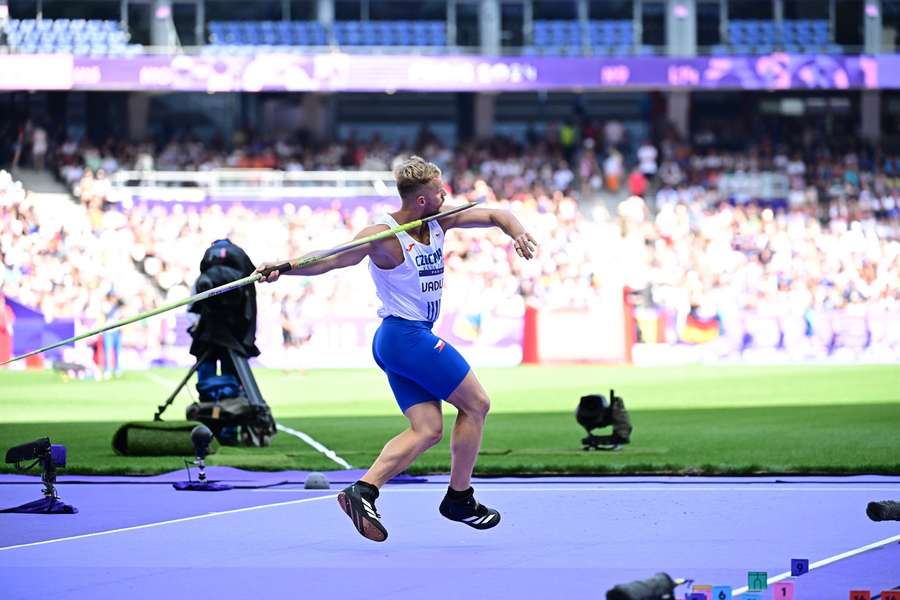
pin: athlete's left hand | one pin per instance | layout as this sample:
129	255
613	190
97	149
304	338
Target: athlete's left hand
525	245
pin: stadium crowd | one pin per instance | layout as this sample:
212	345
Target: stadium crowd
835	242
583	157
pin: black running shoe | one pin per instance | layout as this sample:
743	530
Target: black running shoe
358	501
467	510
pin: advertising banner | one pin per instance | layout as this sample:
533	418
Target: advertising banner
338	72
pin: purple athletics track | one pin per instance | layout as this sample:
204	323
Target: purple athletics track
561	537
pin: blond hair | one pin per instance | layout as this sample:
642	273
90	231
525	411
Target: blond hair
413	173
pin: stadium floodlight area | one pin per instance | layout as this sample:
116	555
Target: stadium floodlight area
252	184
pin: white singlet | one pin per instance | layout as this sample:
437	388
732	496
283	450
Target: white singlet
412	290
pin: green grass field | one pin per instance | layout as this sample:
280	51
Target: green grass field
687	420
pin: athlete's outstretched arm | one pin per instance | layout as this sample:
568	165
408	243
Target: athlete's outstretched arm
505	220
338	261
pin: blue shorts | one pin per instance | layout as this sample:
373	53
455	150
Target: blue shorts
420	366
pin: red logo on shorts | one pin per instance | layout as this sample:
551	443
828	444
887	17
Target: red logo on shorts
440	345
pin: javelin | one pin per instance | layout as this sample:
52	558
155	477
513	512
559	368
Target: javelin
297	263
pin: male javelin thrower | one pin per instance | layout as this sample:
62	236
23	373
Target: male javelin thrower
422	369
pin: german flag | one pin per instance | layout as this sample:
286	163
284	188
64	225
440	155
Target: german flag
700	330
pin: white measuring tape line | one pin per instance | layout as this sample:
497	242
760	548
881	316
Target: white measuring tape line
318	446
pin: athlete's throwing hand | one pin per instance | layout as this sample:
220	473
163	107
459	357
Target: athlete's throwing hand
271	277
525	246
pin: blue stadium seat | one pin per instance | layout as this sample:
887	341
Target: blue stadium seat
558	37
318	34
354	37
406	38
609	37
311	33
373	35
66	36
389	33
805	33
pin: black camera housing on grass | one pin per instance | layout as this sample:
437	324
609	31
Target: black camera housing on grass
595	411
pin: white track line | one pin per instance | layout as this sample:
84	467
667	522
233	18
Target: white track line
318	446
826	561
173	521
162	381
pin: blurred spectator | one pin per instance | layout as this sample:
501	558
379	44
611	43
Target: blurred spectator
7	319
38	147
613	169
637	183
614	133
646	156
567	139
112	340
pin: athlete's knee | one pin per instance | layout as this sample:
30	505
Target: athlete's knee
478	404
430	433
470	398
